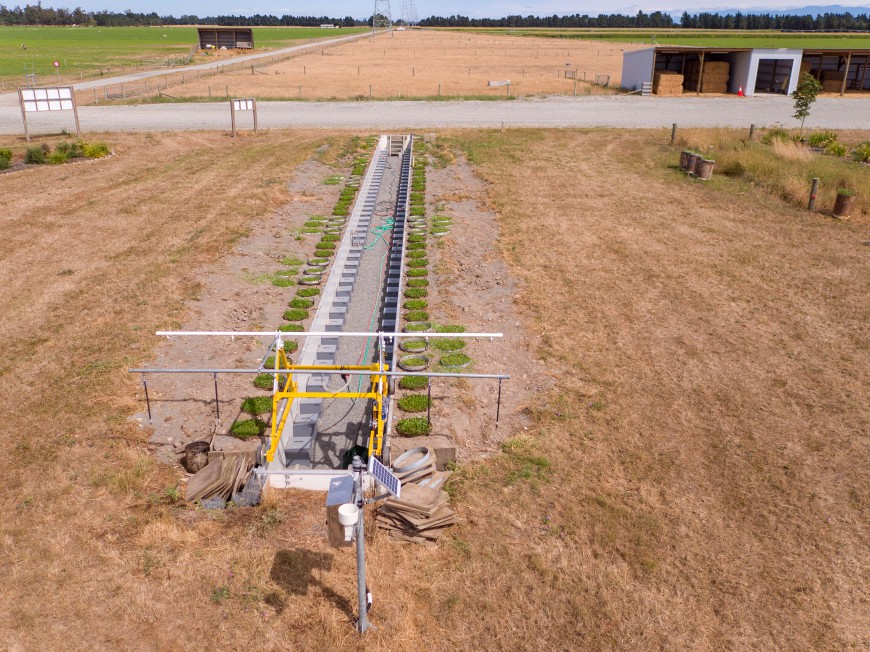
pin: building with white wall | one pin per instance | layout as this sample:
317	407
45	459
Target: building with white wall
752	70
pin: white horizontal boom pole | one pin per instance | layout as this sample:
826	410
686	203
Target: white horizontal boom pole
283	334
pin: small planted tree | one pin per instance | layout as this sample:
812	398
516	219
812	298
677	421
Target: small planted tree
804	95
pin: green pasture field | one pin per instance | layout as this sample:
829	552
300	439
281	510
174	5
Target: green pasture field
701	38
87	50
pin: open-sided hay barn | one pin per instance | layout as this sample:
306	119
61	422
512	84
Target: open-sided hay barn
754	70
231	38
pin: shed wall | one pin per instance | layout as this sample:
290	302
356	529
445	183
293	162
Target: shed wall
637	68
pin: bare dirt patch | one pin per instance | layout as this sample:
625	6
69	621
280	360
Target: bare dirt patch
418	64
472	287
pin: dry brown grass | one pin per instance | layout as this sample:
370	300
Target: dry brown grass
708	439
694	481
415	64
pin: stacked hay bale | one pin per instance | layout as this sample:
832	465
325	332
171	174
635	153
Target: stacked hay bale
832	80
667	83
714	79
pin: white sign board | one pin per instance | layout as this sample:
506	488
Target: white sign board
47	99
243	105
506	82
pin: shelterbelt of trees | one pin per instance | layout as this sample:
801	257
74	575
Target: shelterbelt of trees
704	20
39	15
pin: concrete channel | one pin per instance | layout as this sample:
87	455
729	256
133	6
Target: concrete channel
361	294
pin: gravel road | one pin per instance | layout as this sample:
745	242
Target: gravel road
600	111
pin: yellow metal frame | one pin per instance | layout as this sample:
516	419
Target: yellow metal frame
378	392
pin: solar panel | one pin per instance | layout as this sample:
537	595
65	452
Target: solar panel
384	476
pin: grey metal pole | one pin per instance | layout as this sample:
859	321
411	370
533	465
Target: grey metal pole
363	622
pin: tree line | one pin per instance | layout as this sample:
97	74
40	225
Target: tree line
39	15
657	19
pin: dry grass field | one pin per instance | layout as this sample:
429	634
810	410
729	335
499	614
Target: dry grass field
415	64
695	480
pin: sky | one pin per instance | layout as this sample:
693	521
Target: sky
474	9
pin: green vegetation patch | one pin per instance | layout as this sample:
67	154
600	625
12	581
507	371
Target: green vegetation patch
413	427
416	304
256	405
415	315
414	403
413	382
263	381
416	292
455	360
417	283
295	314
416	273
307	292
448	343
291	328
247	428
449	328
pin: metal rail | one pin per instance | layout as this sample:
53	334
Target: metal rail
287	335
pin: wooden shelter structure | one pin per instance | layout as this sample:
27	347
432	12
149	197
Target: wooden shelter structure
231	38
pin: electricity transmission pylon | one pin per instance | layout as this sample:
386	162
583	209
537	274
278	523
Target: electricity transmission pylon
381	18
409	12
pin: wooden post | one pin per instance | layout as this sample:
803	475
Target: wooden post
846	74
255	116
370	91
233	118
752	131
673	133
700	75
814	189
76	114
227	90
209	91
575	86
439	90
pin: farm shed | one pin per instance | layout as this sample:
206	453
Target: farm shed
231	38
674	70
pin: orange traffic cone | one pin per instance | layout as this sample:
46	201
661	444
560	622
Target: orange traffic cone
740	91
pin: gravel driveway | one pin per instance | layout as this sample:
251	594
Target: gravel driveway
596	111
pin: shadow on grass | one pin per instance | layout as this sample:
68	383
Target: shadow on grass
293	571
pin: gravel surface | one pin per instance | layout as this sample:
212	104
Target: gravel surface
601	111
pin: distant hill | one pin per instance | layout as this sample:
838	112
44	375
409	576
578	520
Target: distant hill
812	10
